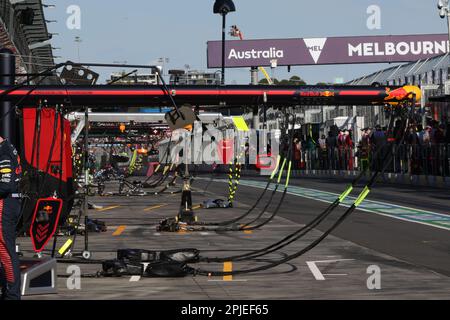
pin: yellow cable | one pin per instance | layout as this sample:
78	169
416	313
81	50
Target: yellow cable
362	196
281	170
288	174
345	193
274	172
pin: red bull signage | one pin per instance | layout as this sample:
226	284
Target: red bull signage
334	50
44	222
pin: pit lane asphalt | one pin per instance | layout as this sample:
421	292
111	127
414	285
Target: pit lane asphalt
343	263
414	243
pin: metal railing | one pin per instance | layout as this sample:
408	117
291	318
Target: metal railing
415	159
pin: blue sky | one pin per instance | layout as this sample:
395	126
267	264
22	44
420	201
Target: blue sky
140	31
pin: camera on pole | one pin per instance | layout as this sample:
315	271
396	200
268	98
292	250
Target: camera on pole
443	8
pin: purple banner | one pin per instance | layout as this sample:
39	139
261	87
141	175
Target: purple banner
336	50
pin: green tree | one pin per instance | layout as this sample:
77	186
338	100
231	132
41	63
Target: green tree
296	80
292	81
285	82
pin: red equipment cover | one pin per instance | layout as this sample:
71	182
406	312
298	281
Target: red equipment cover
44	222
42	148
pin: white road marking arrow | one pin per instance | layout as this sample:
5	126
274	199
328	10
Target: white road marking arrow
316	271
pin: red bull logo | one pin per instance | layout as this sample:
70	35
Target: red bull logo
403	93
396	94
44	222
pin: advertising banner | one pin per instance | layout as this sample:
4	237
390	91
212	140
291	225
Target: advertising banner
319	51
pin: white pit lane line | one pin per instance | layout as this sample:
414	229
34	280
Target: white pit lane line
135	278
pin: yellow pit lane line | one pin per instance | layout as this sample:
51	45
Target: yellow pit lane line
119	231
156	207
107	208
228	267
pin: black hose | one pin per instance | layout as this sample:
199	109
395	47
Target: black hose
246	226
363	194
275	212
308	227
175	177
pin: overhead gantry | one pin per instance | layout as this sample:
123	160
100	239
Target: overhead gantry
220	96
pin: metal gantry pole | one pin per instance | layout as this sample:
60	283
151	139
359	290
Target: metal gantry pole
86	160
84	205
444	11
7	114
448	26
86	253
223	47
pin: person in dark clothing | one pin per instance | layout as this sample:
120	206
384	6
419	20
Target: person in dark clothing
379	142
398	131
412	138
322	149
10	173
297	153
438	149
412	148
331	143
364	149
439	135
